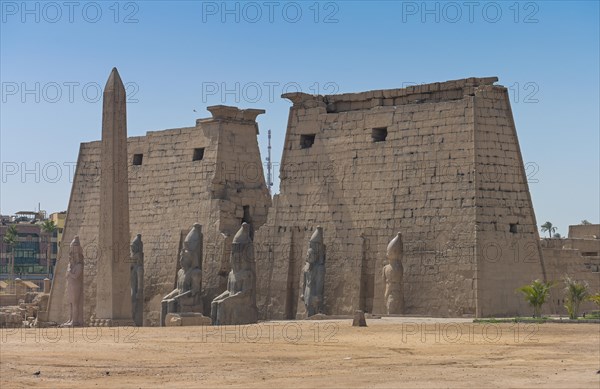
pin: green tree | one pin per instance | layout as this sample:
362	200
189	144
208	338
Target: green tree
549	228
536	295
11	239
575	293
48	228
595	298
585	222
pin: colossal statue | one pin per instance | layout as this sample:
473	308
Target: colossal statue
237	305
136	273
313	284
392	276
75	284
186	297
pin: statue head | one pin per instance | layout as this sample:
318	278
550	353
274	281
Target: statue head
185	259
137	246
242	249
193	244
315	246
75	250
242	236
395	249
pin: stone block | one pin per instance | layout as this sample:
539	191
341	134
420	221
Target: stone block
186	319
359	319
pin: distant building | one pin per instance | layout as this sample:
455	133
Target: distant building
59	220
577	256
31	252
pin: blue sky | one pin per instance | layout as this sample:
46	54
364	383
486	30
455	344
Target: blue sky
179	56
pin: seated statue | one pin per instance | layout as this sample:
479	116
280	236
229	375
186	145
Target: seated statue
313	281
186	297
237	305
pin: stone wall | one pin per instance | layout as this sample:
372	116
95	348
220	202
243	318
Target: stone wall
577	257
367	165
508	250
8	299
168	192
440	163
585	231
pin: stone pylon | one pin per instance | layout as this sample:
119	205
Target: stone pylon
113	283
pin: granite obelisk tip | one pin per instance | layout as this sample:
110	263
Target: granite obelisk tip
114	81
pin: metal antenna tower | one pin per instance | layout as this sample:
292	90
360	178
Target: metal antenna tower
269	166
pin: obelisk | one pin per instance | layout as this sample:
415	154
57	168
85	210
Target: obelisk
113	305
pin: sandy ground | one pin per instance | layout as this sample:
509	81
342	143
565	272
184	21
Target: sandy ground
390	353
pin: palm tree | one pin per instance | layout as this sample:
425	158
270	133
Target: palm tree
575	292
11	239
547	227
595	298
48	227
536	295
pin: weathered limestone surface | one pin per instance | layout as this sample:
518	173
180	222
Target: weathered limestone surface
577	256
430	178
590	232
440	162
508	248
169	192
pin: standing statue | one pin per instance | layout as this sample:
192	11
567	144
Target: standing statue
237	305
186	297
392	277
136	274
313	285
75	284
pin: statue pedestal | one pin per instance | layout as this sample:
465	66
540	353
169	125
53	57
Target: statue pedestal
95	322
186	319
42	315
316	316
359	319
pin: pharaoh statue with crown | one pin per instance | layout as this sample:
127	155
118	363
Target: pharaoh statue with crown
237	305
313	284
186	297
